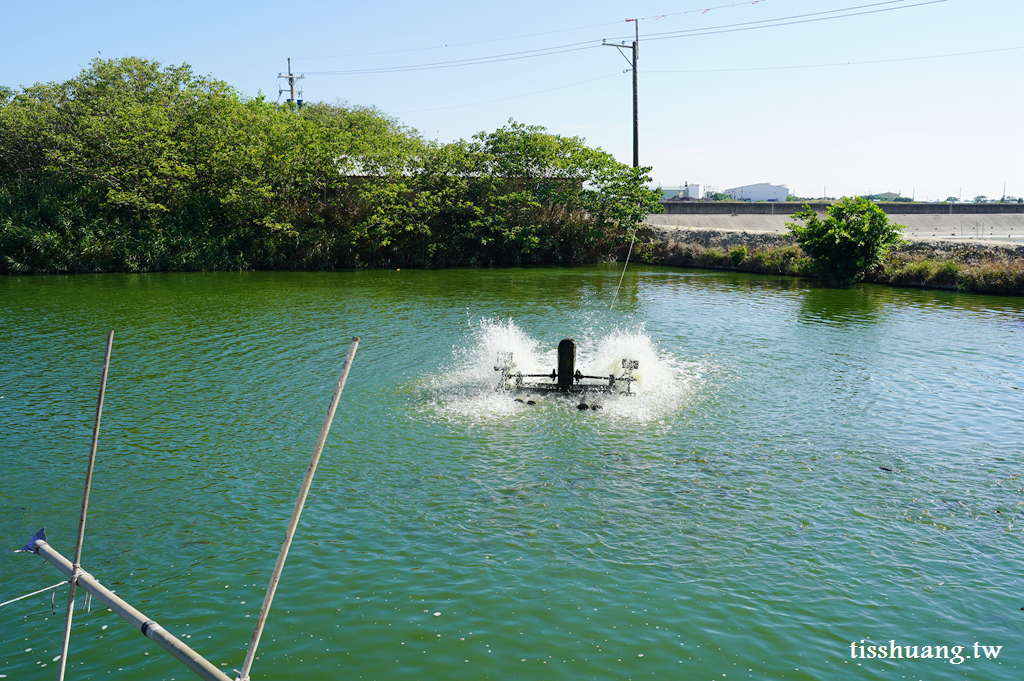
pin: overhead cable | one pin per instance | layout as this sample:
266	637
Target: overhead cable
750	26
845	63
528	35
511	56
502	99
773	22
575	47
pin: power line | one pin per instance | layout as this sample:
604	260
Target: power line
575	47
765	21
703	10
748	27
511	56
846	63
529	35
761	68
769	23
503	99
475	42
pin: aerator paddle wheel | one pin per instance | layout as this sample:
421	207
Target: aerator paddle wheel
565	379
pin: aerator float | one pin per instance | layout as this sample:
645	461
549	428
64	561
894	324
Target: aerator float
566	379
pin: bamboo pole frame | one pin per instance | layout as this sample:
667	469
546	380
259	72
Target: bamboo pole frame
293	523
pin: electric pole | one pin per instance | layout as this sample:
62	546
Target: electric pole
636	109
291	85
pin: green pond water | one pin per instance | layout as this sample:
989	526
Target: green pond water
801	468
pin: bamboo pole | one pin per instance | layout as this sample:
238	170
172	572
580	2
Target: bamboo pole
293	523
76	563
149	628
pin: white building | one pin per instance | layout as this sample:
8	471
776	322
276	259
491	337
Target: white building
759	192
692	191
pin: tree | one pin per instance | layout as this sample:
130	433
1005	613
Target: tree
951	199
980	198
854	237
518	195
133	166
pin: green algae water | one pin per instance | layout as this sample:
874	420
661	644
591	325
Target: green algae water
805	475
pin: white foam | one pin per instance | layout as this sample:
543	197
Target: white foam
466	388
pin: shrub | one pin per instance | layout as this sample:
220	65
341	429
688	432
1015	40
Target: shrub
853	238
788	260
738	255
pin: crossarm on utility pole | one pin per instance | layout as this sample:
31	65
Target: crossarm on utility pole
635	49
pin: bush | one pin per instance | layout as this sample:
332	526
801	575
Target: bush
738	255
787	260
132	167
853	238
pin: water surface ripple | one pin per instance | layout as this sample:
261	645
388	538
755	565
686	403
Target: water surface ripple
804	467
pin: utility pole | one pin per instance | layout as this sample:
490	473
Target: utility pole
291	85
636	109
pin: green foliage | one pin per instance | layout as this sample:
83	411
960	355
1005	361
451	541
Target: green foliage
134	167
718	196
853	238
788	260
738	255
987	272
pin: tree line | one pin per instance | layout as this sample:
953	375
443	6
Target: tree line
136	167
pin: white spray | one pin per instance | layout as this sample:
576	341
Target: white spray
467	389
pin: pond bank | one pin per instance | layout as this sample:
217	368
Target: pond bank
974	265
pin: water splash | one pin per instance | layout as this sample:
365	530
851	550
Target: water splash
663	382
466	389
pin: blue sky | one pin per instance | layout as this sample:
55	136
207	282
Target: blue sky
790	104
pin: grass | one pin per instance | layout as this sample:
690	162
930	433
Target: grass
788	260
988	272
992	273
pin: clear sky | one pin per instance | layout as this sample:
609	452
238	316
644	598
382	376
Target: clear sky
728	97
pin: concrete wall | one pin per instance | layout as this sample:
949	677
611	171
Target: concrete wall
790	207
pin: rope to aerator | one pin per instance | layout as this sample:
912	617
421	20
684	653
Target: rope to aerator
628	253
58	584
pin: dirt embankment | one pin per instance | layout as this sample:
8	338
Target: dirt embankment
969	265
969	251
